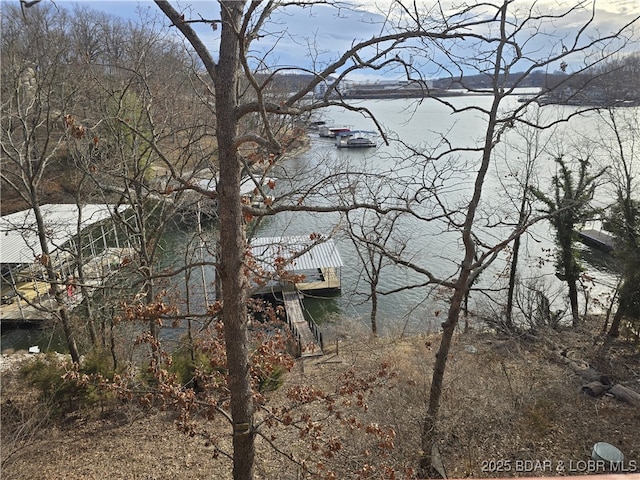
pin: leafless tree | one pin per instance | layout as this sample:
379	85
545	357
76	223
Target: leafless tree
618	144
254	126
522	168
502	43
37	93
242	23
93	111
370	230
153	141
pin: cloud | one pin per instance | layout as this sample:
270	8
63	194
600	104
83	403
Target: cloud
319	34
314	36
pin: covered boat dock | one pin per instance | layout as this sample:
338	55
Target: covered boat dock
291	265
25	291
314	261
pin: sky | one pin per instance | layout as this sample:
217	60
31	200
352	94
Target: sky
295	32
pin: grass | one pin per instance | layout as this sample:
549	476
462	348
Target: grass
506	401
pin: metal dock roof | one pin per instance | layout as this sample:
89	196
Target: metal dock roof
356	132
313	253
19	237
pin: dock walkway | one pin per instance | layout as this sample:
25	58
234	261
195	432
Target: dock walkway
310	344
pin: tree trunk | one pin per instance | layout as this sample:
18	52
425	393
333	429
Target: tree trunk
374	310
512	282
146	259
67	329
465	279
614	331
93	336
232	243
61	310
626	395
513	270
570	268
573	300
429	427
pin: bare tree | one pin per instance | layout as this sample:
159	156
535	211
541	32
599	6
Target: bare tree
241	23
368	235
95	110
502	49
37	93
482	235
253	129
522	171
153	139
620	145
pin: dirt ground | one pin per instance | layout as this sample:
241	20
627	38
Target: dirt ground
510	407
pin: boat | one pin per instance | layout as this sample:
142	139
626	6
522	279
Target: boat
356	139
332	132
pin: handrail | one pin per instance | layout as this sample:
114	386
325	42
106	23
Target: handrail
308	318
315	328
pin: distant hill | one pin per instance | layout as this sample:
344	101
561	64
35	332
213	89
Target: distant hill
617	83
537	78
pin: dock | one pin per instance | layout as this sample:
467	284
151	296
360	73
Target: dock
597	239
323	279
64	226
315	260
96	271
306	332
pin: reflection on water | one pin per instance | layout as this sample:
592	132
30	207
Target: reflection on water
321	308
604	262
16	338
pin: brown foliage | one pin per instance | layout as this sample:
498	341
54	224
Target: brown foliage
355	413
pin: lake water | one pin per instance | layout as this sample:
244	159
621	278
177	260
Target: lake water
431	244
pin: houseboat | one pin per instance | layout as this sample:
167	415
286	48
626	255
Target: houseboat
332	132
356	139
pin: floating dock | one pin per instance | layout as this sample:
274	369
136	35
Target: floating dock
95	271
312	258
597	239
